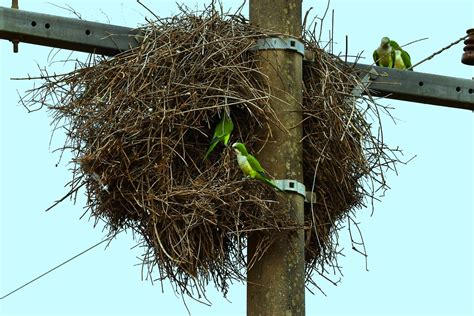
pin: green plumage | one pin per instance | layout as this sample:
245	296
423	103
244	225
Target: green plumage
383	56
221	133
250	165
402	59
390	54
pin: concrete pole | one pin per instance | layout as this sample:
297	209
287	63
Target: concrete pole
275	283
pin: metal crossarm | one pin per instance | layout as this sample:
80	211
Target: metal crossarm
60	32
106	39
420	87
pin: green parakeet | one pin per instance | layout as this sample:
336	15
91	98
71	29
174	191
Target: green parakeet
383	54
250	165
221	133
401	58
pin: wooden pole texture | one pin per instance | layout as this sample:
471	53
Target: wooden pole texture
275	283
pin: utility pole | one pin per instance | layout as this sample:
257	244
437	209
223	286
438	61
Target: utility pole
275	283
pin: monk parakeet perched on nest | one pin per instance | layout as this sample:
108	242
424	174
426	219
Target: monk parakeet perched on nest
383	54
250	165
221	133
401	58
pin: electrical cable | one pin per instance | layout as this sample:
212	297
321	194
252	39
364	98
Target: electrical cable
56	267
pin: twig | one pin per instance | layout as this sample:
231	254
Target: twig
415	41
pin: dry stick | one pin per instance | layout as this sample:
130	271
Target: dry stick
306	17
347	49
148	9
438	52
332	32
415	41
64	197
322	20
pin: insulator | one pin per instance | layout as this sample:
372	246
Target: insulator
468	55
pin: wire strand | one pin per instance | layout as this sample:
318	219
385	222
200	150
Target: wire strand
56	267
438	52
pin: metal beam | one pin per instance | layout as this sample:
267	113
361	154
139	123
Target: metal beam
420	87
67	33
106	39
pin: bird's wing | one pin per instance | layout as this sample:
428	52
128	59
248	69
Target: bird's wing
255	164
406	59
261	172
375	55
227	129
395	45
394	57
224	127
219	131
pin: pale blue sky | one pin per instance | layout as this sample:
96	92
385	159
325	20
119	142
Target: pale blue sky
419	241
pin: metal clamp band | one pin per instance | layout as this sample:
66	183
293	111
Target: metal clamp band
287	43
297	187
292	186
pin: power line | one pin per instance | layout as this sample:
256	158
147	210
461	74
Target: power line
439	52
59	265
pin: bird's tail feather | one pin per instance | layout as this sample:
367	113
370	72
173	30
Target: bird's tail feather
213	145
272	184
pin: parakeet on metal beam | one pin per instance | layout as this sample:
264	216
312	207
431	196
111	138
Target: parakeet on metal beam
383	54
401	57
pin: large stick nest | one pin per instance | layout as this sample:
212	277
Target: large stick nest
140	123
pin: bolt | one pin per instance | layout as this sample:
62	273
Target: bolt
15	41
